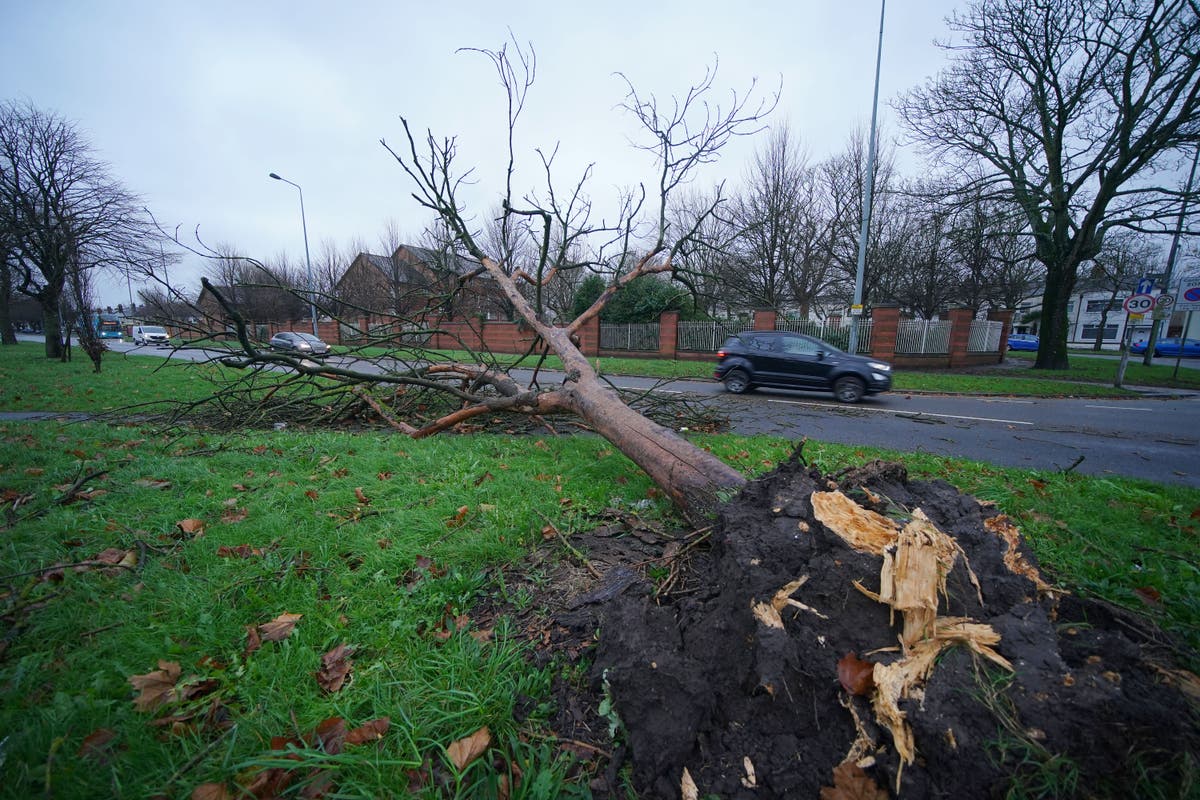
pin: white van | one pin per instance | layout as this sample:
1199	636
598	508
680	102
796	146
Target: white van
151	334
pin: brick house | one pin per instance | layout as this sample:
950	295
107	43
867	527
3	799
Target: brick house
416	281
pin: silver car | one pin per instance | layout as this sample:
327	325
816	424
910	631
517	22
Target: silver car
304	344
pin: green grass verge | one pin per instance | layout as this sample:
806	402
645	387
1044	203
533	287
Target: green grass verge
1090	367
31	382
341	523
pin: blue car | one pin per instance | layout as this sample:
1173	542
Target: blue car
1170	347
1022	341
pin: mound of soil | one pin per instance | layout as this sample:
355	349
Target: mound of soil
701	683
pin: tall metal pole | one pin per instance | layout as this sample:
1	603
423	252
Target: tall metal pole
1154	329
312	309
856	309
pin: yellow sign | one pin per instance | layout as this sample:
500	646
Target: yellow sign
1136	317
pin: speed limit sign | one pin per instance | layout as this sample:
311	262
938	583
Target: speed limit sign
1139	304
1164	302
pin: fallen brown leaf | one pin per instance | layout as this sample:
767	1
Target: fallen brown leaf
191	527
851	783
855	675
279	628
369	731
459	517
253	640
360	497
211	791
469	748
97	745
153	483
157	687
311	494
329	735
335	668
232	516
239	551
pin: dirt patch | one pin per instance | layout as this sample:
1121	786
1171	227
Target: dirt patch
703	676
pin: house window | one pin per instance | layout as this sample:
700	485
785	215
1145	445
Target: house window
1089	332
1070	306
1096	306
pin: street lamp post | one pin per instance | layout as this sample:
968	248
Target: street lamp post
856	309
312	309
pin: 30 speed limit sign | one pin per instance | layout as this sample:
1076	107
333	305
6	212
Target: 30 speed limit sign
1139	304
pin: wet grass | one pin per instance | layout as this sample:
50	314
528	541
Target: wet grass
382	544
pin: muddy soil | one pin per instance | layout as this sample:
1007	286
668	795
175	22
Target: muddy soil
1092	706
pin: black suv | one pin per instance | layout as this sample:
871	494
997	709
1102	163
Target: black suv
793	361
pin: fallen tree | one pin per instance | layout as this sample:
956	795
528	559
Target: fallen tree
688	135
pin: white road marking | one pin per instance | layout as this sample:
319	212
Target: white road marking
903	413
1121	408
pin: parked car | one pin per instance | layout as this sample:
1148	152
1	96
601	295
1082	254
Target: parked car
1022	341
151	334
299	343
1169	347
793	361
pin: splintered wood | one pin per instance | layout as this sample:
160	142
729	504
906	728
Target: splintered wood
1003	526
917	559
861	528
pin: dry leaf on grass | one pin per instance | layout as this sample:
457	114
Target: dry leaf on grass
335	668
253	640
279	628
469	748
97	745
190	527
369	731
239	551
360	497
211	791
157	687
459	517
152	483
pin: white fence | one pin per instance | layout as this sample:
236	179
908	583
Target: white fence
836	334
923	337
640	336
984	336
706	337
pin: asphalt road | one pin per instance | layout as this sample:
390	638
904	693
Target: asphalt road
1154	436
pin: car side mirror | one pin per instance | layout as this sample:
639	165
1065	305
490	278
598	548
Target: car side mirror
820	355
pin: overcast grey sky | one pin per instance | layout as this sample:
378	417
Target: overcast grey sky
194	103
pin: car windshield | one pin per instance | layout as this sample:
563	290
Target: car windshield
153	329
308	337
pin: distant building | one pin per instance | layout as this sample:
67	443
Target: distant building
415	281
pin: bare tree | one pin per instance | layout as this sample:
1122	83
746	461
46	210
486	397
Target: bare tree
845	178
62	210
923	278
1069	108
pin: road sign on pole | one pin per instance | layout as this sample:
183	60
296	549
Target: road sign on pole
1188	296
1139	304
1145	285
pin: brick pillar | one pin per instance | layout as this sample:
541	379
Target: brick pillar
885	321
960	334
764	319
589	337
1004	315
668	334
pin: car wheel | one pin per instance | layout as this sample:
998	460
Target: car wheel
737	382
849	390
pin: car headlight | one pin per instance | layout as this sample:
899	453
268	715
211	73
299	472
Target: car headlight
878	376
879	366
304	346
